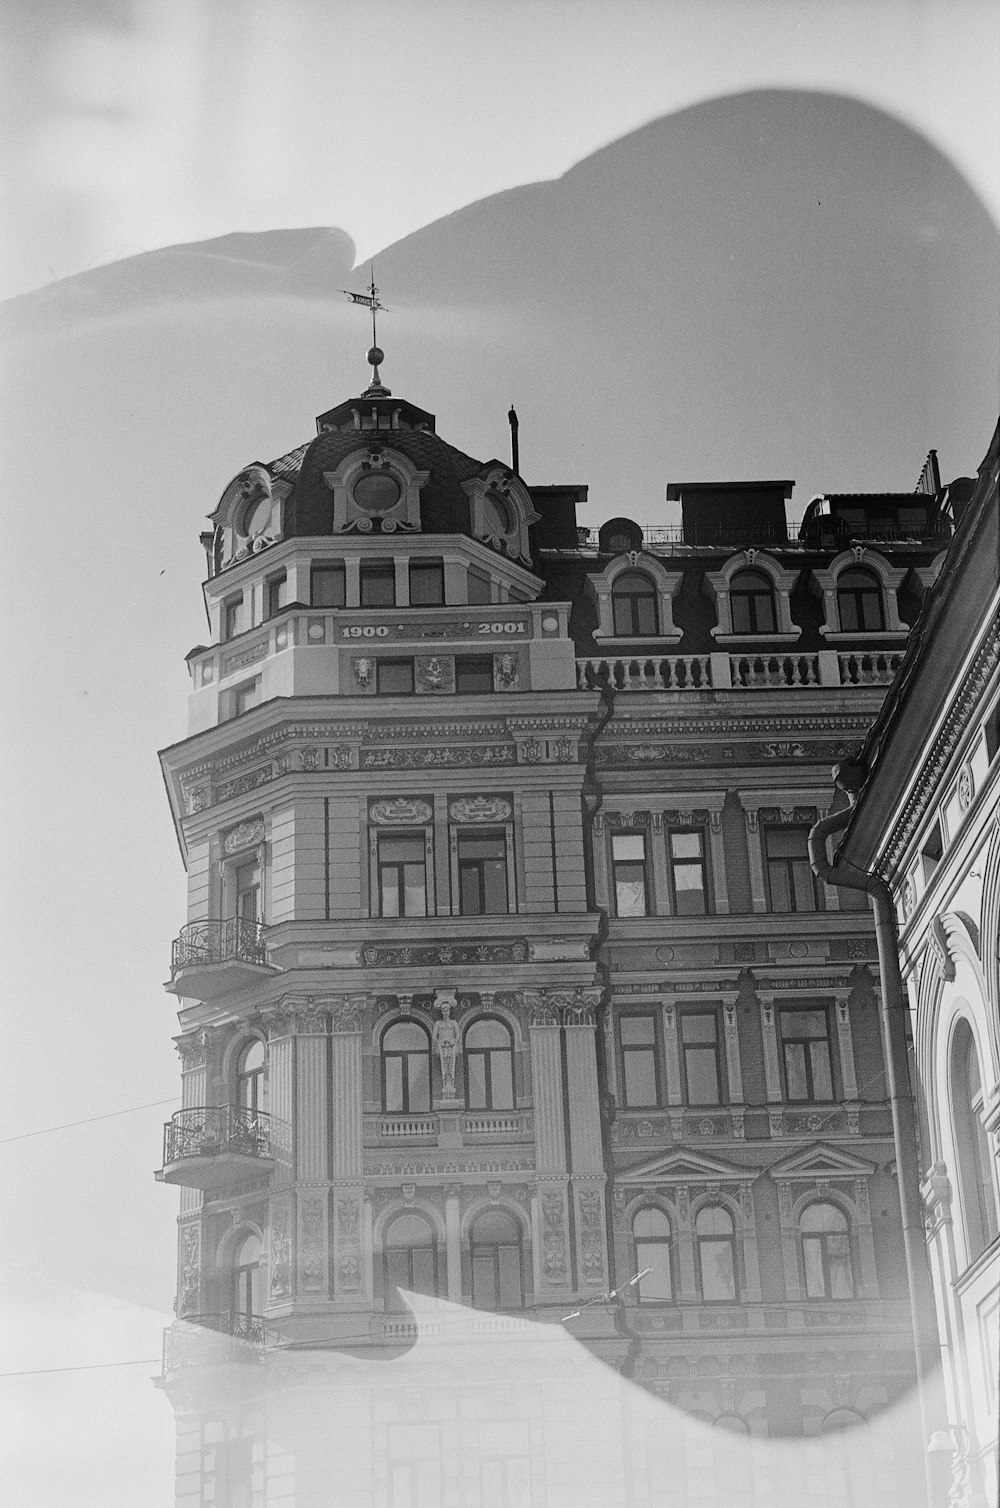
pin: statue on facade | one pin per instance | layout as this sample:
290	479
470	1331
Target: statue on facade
446	1038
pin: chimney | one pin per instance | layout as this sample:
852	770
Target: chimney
512	421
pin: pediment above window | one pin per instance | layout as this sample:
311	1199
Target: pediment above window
249	516
502	512
375	490
685	1166
889	578
820	1160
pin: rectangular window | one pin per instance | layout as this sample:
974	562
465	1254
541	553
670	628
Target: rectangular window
394	677
932	850
276	594
482	874
233	617
688	871
328	585
718	1270
639	1060
473	674
790	880
805	1047
628	868
378	583
478	589
402	874
246	696
700	1054
248	892
426	583
652	1259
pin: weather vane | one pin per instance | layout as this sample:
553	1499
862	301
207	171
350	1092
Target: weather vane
371	300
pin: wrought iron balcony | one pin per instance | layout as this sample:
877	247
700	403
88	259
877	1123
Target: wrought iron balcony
217	956
207	1339
209	1146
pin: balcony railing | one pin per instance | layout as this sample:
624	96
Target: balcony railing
233	939
754	671
223	1337
208	1130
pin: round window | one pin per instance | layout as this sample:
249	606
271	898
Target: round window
497	516
257	516
376	492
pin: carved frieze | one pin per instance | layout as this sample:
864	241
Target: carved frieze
448	756
311	1264
591	1238
468	809
281	1253
506	672
570	1007
347	1012
406	811
348	1245
410	955
187	1302
553	1237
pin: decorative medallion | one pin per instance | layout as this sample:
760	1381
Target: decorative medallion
246	835
364	671
480	809
402	810
506	672
435	673
965	789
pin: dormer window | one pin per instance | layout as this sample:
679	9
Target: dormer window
859	602
751	598
633	601
256	516
498	517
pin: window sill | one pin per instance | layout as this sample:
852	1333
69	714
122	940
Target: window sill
757	640
868	636
644	643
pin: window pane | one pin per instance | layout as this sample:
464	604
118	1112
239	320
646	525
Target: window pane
510	1277
640	1077
689	889
803	1023
787	842
718	1280
393	1083
803	888
812	1258
822	1080
650	1222
495	885
741	614
628	846
418	1072
470	890
645	614
501	1081
389	882
698	1027
473	675
630	890
839	1259
702	1071
414	890
685	845
423	1270
795	1071
638	1029
656	1256
395	677
378	584
403	1035
327	587
779	882
764	611
426	583
475	1080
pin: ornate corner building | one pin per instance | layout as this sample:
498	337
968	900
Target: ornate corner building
506	980
927	819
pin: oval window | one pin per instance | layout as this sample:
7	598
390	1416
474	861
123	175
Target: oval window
257	517
498	519
376	492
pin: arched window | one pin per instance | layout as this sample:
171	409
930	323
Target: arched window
406	1068
495	1249
859	601
751	600
716	1245
410	1255
248	1285
651	1235
826	1252
975	1180
848	1460
633	600
489	1066
251	1080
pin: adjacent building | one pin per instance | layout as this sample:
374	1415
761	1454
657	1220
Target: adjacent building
506	981
927	820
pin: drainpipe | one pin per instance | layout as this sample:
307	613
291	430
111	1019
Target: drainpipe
848	778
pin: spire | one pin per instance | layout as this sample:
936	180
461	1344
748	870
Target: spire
370	300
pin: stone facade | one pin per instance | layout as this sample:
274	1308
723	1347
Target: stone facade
505	978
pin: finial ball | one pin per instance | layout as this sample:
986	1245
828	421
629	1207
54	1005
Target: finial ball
375	356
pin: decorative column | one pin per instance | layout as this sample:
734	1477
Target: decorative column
758	888
789	1250
772	1069
193	1050
845	1042
553	1267
600	857
281	1100
672	1068
352	1250
311	1140
689	1281
734	1070
751	1258
453	1239
720	884
580	1017
658	857
866	1242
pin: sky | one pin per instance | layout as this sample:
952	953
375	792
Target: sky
134	126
